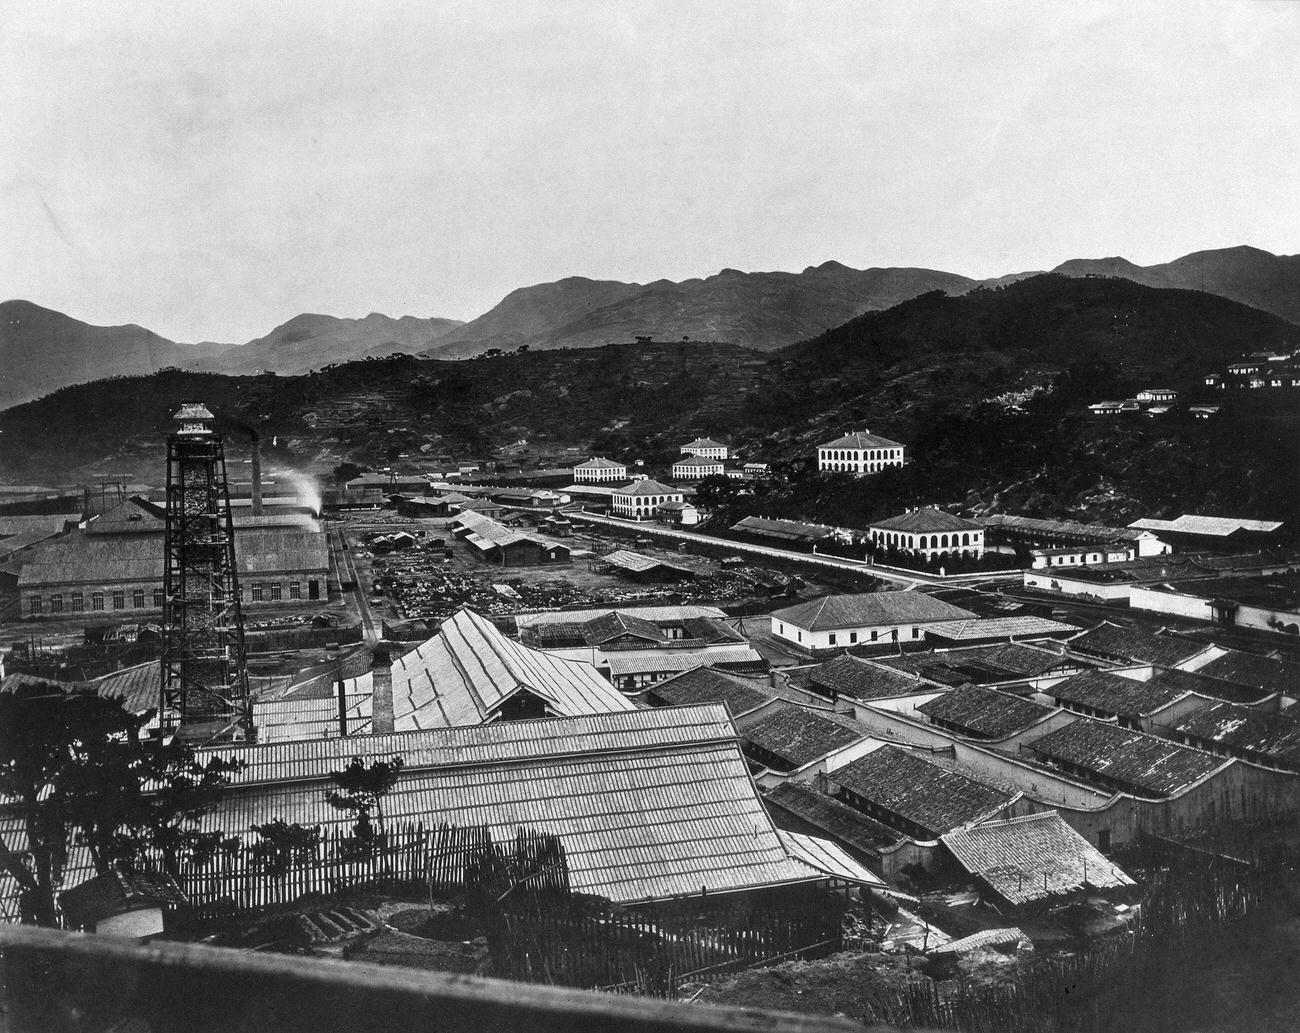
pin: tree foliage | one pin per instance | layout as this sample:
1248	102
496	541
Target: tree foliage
360	789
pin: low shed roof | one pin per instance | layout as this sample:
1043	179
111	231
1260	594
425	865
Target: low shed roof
800	736
1028	859
985	713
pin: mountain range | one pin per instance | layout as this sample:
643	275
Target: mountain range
42	350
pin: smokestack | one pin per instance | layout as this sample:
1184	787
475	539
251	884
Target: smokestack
381	692
257	476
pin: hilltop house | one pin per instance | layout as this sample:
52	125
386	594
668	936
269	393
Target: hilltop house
859	452
705	448
599	469
640	499
929	532
835	621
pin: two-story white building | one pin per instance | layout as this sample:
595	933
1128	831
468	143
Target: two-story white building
859	452
693	468
705	448
836	621
599	469
929	532
640	499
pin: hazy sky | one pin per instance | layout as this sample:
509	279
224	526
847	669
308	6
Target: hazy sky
211	169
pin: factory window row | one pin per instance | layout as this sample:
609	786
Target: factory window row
139	598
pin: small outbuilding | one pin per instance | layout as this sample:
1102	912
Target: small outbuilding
119	903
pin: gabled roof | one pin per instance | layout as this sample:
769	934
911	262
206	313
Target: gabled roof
920	791
1145	764
486	533
649	804
1210	687
856	611
985	713
599	463
790	530
1032	858
1218	527
698	461
979	629
861	439
839	821
828	858
704	443
707	685
1114	694
115	892
1115	642
648	487
665	660
466	672
1226	725
801	736
607	626
1262	672
1087	532
926	520
848	676
999	662
635	563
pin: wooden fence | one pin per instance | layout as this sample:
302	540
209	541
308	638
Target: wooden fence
443	859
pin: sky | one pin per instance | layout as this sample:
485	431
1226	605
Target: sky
209	170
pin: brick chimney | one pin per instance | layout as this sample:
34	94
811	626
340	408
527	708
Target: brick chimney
381	694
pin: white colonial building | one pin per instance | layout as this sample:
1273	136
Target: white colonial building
598	469
859	452
929	532
693	468
640	499
705	448
836	621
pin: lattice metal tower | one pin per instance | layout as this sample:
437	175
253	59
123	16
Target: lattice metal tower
204	679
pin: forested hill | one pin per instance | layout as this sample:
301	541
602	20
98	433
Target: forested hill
989	390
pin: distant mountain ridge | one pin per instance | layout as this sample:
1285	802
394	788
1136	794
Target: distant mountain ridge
764	310
42	350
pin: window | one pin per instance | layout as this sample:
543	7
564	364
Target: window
276	592
916	633
853	637
78	604
158	598
832	638
35	604
257	593
875	635
56	603
97	600
119	600
137	599
295	589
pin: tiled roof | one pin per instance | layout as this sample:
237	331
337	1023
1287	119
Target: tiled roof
799	736
919	791
1088	532
600	463
648	803
115	892
704	443
648	487
1114	694
298	717
1000	662
658	614
24	523
1143	763
828	858
999	627
848	676
25	539
985	713
868	609
861	439
707	685
836	819
1031	858
1230	726
925	520
1115	642
599	630
486	533
466	672
1261	672
1212	688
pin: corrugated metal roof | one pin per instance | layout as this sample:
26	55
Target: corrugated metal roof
826	857
635	563
466	672
679	660
1033	857
655	614
297	718
1219	527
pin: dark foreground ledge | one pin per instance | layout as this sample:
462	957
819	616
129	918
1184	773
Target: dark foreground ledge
60	982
